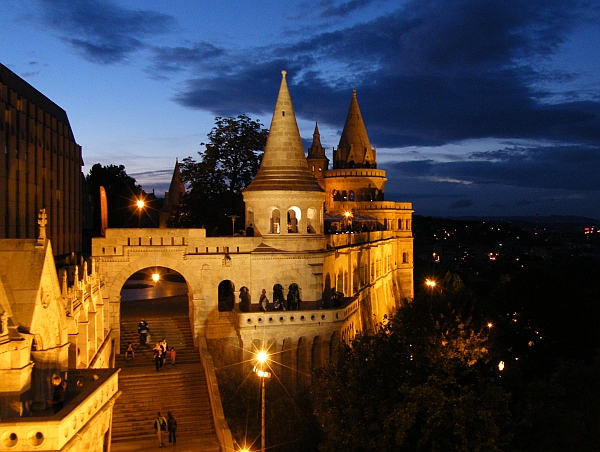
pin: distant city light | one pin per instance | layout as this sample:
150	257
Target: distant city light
501	366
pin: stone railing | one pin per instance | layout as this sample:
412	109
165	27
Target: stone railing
98	390
302	317
221	426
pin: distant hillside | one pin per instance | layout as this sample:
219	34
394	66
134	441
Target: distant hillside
570	220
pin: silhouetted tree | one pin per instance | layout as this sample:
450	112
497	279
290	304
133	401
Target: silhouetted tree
231	159
122	192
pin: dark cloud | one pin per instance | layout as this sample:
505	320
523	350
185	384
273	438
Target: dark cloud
102	31
176	59
498	205
343	9
431	73
462	204
554	167
523	202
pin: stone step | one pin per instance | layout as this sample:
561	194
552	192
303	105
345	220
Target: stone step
181	389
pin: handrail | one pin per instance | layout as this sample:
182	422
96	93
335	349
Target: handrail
221	426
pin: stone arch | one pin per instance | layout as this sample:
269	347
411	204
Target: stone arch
148	262
287	361
312	221
303	356
294	215
275	218
226	296
334	346
316	353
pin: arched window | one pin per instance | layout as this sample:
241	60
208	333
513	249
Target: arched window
311	216
292	220
400	223
275	221
249	217
225	296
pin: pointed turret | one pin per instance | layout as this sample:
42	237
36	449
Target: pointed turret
284	165
354	149
316	149
172	197
318	163
284	202
177	188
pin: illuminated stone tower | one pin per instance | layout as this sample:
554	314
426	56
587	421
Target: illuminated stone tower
354	178
284	202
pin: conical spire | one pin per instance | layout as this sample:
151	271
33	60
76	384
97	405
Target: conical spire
354	148
316	149
284	165
176	189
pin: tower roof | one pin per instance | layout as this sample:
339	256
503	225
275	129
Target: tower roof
354	143
177	188
284	166
316	149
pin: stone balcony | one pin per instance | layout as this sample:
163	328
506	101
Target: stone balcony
80	425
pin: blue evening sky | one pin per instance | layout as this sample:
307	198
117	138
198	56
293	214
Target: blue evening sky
476	107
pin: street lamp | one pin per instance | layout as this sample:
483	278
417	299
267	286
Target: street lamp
233	218
140	203
262	374
430	283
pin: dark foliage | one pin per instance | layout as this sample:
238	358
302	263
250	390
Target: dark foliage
227	166
122	192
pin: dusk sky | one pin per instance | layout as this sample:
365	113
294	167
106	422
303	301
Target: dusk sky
475	107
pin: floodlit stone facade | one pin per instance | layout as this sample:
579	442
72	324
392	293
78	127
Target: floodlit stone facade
52	325
348	281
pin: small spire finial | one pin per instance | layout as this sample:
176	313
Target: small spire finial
354	93
283	73
42	221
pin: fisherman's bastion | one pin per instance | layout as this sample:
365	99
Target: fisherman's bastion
321	228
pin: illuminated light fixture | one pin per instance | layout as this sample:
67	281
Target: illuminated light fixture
155	277
501	366
430	283
140	203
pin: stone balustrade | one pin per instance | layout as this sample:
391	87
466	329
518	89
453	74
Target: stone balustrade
83	419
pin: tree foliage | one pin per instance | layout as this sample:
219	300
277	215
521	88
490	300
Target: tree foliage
422	382
122	191
228	164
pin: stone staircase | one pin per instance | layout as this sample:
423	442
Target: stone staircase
181	388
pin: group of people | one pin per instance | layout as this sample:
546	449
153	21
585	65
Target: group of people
162	425
280	303
161	350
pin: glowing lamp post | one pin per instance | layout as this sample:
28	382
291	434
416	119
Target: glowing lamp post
140	203
262	374
430	283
